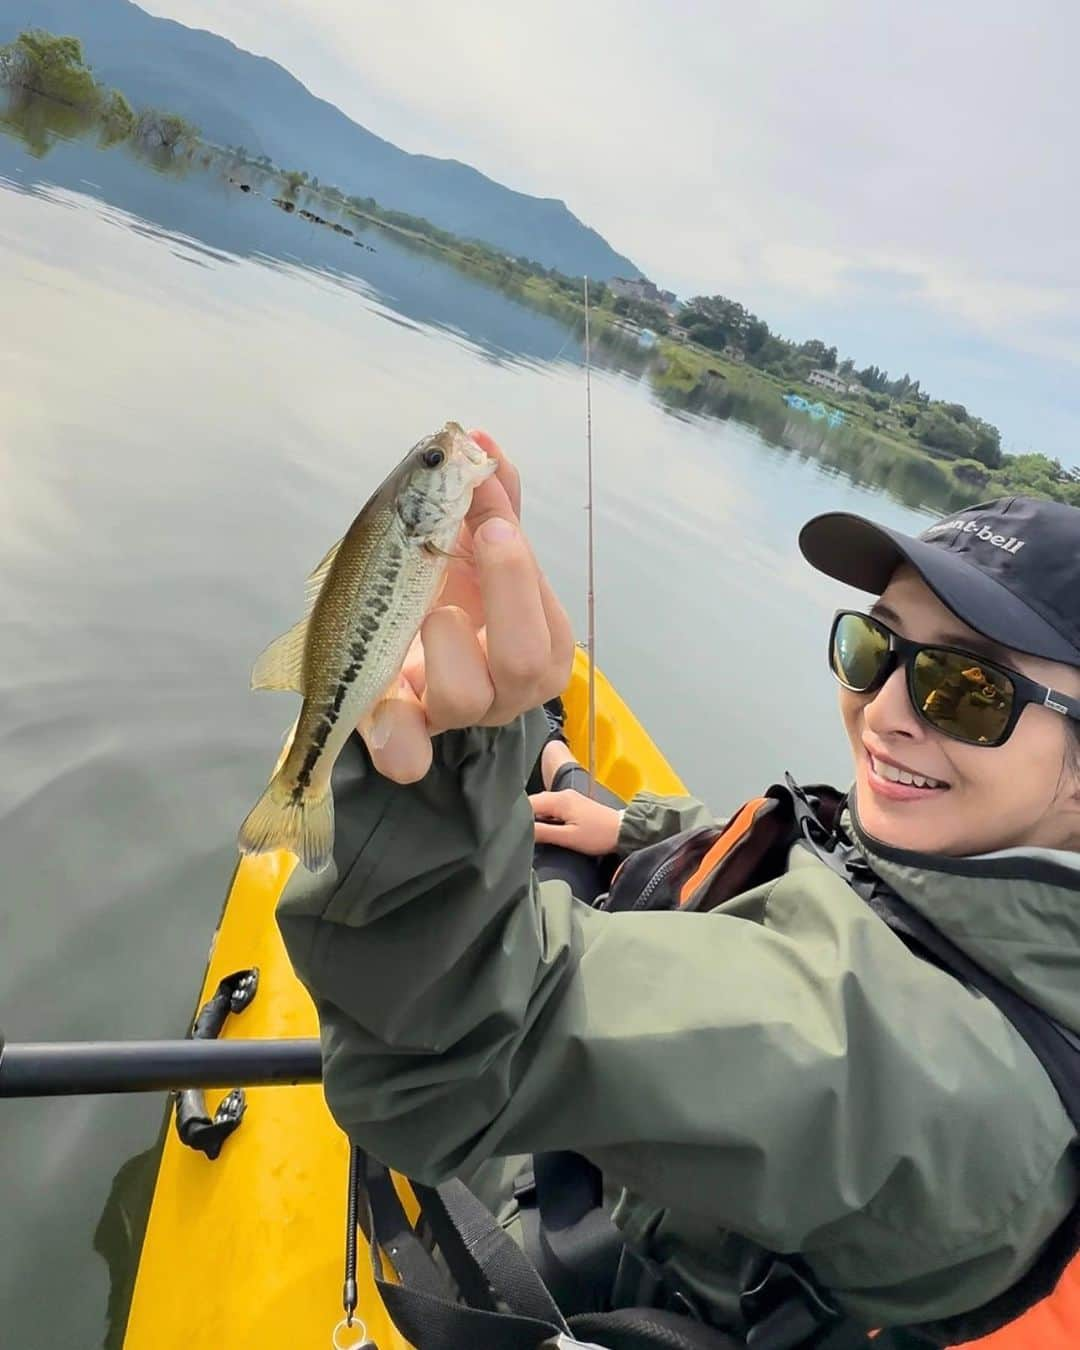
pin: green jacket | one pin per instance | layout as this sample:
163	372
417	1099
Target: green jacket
781	1071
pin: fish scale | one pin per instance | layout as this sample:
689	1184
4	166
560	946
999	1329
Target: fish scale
367	600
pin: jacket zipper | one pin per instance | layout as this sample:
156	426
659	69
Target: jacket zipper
654	881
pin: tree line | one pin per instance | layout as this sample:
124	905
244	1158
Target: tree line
941	427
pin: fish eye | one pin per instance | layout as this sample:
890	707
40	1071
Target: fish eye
433	458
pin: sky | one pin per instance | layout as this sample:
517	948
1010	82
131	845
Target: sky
898	179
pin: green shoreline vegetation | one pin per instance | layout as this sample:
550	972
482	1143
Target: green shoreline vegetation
713	357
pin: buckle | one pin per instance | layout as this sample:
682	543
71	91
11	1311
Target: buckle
785	1309
524	1189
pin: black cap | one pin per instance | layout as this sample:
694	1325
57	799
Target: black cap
1009	568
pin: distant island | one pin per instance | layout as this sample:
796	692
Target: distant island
709	353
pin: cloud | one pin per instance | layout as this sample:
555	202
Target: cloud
778	152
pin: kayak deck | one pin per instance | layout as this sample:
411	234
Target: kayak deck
248	1249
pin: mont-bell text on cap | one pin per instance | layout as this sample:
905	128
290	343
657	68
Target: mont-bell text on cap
984	533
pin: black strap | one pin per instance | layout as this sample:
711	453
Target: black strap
433	1321
529	1319
569	1234
649	1329
482	1256
394	1233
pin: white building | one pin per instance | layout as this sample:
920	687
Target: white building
827	379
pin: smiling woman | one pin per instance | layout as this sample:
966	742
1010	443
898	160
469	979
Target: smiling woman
968	650
833	1072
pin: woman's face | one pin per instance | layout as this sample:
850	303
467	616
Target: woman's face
1025	792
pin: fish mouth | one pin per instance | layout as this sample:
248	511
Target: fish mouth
478	456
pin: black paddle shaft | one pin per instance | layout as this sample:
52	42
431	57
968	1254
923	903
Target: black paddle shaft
73	1068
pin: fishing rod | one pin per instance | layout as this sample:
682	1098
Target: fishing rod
71	1068
590	595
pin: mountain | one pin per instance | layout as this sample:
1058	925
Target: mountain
237	98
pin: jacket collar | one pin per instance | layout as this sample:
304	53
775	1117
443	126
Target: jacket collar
1016	912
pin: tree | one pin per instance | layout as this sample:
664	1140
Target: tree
644	312
755	335
117	118
874	378
987	448
936	428
40	63
598	292
824	358
164	131
294	180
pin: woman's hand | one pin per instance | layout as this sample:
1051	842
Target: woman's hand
497	644
572	820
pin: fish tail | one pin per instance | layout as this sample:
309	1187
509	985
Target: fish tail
304	825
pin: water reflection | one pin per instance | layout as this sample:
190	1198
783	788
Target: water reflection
199	194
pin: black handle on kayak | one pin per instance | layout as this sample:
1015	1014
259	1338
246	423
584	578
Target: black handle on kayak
71	1068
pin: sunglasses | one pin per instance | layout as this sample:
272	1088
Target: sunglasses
958	693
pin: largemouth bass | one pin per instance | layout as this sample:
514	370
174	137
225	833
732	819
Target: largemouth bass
366	601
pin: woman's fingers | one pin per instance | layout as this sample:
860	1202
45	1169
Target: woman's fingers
551	806
549	832
575	821
553	822
561	637
506	474
396	734
459	690
490	501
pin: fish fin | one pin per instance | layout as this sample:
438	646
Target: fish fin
304	827
314	583
281	665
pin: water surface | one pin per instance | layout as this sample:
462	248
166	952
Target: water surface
197	392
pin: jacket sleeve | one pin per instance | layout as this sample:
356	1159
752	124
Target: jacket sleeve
750	1072
649	818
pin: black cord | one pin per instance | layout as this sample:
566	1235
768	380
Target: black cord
349	1293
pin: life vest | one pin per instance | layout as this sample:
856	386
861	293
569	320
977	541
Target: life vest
600	1288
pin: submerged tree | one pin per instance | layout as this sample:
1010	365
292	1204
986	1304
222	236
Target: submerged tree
37	62
294	180
117	118
162	131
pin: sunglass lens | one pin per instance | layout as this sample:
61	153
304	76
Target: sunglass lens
962	696
858	652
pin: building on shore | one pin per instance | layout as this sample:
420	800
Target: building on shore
641	288
828	379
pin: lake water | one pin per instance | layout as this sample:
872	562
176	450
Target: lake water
197	392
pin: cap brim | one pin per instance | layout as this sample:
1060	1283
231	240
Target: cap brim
864	555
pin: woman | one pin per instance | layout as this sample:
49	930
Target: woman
783	1074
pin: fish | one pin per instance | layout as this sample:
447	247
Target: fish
365	602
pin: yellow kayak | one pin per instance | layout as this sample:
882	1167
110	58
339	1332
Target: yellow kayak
247	1250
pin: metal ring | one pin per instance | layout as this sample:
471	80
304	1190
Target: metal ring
358	1328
